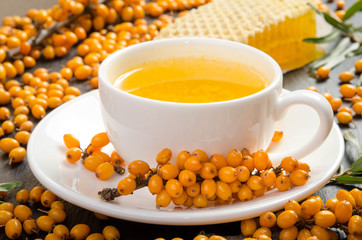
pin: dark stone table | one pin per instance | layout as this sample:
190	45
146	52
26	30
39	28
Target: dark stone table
297	79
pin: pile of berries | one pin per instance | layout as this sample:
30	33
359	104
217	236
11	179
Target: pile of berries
93	158
19	219
197	179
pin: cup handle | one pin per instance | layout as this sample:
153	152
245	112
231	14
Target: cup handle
324	111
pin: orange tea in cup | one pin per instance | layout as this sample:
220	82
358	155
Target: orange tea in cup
192	80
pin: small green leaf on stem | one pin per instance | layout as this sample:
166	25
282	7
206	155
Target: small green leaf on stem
332	36
352	10
347	179
9	186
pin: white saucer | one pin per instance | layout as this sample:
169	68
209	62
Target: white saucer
73	183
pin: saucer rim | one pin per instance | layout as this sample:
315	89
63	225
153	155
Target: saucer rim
214	215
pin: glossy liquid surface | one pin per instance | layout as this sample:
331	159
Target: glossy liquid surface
192	80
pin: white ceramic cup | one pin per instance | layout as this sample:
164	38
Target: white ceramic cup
139	127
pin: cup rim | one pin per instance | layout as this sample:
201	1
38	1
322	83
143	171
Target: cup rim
252	97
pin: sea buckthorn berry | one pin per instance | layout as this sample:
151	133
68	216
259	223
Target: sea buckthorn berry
234	158
208	188
22	196
200	201
35	193
310	207
358	65
262	231
138	167
100	140
355	192
4	112
298	177
283	183
8	144
181	199
104	156
325	218
201	155
181	159
344	117
235	186
13	229
208	171
227	174
288	233
187	178
323	72
243	173
7	206
174	188
38	111
57	204
343	211
248	227
345	109
293	205
47	198
248	162
57	214
116	159
357	108
340	4
223	190
104	171
328	96
347	90
8	126
245	193
345	195
164	156
5	216
70	141
268	177
289	164
331	204
110	232
255	182
287	219
29	226
23	212
319	233
79	232
168	171
61	231
261	160
73	154
155	184
193	163
336	103
126	186
163	199
346	76
218	160
355	225
277	136
267	219
193	190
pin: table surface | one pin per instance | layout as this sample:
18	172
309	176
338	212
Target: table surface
297	79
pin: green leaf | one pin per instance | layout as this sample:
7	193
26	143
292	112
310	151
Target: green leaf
1	202
335	23
352	138
356	52
346	179
356	163
337	59
7	187
336	51
332	36
352	10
